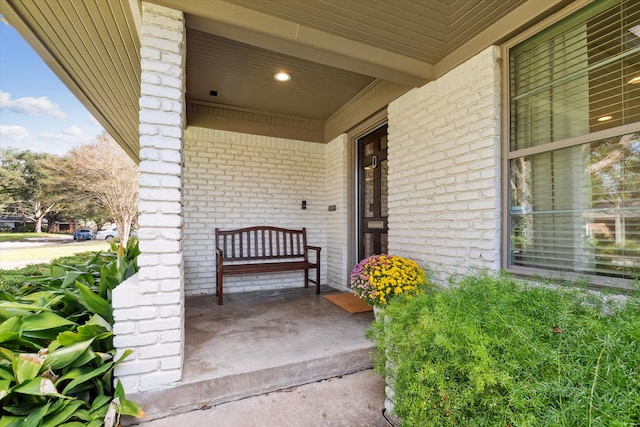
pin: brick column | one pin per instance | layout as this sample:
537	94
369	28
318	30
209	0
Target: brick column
149	309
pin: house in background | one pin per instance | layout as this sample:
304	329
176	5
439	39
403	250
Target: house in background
461	134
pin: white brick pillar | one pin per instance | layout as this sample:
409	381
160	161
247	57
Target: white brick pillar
149	310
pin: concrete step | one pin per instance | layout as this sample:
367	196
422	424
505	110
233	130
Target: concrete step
185	397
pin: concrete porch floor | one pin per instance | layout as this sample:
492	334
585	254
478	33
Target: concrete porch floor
259	342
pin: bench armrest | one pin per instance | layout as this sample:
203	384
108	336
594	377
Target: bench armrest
316	249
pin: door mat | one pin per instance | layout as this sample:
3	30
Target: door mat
349	302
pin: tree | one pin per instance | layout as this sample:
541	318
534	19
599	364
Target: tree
615	177
102	170
26	184
75	202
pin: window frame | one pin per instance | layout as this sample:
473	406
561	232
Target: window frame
507	155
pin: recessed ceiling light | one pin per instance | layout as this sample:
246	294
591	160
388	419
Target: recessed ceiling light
604	118
282	76
634	80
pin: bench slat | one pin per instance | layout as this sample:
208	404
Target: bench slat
266	267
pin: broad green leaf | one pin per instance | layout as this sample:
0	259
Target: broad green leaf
95	303
6	296
119	391
82	415
5	385
7	421
35	418
11	329
44	320
38	386
63	414
83	333
44	298
86	377
5	314
46	335
71	374
57	271
6	354
70	278
107	284
6	373
127	407
98	320
64	356
131	408
99	402
107	272
85	358
15	305
26	366
93	330
124	355
9	336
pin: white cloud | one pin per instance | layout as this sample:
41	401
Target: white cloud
72	131
64	136
31	106
14	133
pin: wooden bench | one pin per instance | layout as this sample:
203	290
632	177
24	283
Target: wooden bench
264	250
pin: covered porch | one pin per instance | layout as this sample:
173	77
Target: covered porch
259	342
187	89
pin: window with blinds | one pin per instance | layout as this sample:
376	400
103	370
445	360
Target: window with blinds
574	145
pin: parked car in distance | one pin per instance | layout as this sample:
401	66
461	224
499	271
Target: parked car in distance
83	234
112	233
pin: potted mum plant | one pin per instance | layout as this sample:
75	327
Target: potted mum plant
380	278
377	280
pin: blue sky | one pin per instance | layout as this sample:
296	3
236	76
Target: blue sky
37	112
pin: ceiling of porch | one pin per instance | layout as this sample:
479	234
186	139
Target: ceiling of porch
335	50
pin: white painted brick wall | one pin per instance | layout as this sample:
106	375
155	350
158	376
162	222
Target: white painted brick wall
148	308
234	180
444	170
337	169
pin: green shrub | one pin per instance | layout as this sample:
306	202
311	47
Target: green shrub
12	280
495	351
56	344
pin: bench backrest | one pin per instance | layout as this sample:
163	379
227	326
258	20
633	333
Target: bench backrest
261	243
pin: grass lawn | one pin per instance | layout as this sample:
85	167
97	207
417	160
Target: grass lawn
53	251
13	237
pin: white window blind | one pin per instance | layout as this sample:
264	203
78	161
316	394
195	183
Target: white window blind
575	199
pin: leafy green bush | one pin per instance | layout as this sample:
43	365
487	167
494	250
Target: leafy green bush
495	351
56	345
12	280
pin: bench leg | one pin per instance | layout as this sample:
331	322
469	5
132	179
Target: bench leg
219	286
306	277
318	280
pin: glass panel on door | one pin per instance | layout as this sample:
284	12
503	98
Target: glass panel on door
373	193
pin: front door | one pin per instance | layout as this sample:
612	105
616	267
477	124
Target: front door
372	193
